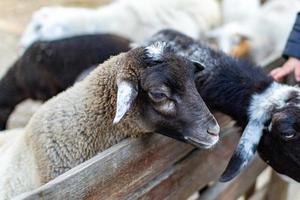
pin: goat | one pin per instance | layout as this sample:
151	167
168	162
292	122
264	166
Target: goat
142	19
268	111
260	36
145	90
47	68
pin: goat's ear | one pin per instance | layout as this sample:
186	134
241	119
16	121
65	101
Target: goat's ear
127	92
198	65
155	52
245	150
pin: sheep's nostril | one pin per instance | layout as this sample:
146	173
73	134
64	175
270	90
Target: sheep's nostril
214	130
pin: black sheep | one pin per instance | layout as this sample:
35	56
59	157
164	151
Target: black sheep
47	68
269	111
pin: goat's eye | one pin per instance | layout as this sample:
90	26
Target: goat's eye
289	136
157	96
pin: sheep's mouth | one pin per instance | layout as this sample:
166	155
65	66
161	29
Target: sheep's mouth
199	143
204	143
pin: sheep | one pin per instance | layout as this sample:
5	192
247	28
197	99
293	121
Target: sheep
148	89
47	68
237	10
261	36
268	111
132	19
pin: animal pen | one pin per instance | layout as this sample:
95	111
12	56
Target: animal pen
157	167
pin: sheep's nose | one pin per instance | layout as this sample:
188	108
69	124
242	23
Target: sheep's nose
214	130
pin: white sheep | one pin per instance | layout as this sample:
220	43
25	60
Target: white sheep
148	89
132	19
238	10
260	36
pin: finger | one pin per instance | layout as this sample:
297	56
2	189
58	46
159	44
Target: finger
276	74
275	71
285	70
297	73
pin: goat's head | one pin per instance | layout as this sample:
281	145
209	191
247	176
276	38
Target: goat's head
166	96
46	23
279	145
274	126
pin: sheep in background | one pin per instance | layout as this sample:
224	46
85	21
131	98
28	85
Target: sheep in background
239	10
22	113
145	90
260	36
269	111
132	19
47	68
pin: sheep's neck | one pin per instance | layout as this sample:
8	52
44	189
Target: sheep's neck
229	85
77	124
11	94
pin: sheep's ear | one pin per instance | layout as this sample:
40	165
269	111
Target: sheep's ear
245	150
198	65
127	92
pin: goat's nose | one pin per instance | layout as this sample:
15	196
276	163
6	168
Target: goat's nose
214	130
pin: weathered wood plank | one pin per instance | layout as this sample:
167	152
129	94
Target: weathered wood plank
238	186
118	171
245	180
277	188
191	173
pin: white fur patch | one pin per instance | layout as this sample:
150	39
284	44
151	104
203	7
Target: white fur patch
156	50
274	97
127	92
250	139
168	107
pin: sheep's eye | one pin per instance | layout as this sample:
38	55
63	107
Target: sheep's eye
157	96
289	135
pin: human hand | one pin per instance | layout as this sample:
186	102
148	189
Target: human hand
290	66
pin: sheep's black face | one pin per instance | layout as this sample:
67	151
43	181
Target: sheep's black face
171	104
280	143
285	124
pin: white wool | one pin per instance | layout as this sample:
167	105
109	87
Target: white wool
274	97
239	10
267	31
156	50
18	169
134	19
